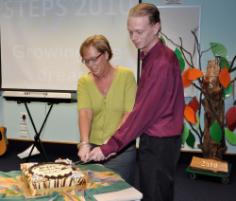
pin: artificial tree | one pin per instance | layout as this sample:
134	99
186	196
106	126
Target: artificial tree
205	116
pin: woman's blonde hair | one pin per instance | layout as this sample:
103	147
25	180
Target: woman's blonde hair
99	42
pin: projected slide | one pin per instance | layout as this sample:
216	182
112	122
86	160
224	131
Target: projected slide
40	40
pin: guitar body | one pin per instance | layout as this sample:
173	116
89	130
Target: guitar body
3	141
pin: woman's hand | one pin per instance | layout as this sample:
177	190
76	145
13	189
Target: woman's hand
83	152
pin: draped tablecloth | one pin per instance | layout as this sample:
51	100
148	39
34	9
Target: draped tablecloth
103	184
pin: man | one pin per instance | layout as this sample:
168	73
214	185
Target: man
157	115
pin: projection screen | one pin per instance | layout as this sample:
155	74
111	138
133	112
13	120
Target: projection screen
40	40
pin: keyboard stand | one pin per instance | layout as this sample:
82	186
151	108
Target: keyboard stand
37	142
51	98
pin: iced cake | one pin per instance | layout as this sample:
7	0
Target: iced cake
44	178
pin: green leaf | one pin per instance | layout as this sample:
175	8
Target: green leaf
185	134
216	132
230	136
178	53
180	59
224	63
198	121
190	140
218	49
162	39
228	91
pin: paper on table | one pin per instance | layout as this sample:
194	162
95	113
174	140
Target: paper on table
26	152
129	194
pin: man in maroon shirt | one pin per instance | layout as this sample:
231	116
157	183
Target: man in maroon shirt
157	115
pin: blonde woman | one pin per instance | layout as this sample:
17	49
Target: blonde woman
105	98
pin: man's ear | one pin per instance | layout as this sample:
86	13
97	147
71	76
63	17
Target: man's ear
157	27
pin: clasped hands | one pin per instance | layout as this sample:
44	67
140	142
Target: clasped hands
86	153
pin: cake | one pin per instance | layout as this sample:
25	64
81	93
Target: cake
44	178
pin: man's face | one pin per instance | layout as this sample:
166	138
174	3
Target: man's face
142	33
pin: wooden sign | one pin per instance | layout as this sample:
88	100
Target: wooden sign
209	164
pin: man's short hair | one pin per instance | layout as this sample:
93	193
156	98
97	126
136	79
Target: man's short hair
146	9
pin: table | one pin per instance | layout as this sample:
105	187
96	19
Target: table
103	185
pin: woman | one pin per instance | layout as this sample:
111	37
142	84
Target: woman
105	98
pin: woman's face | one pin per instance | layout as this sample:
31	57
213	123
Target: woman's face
94	60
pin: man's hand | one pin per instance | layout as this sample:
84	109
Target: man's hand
96	154
83	152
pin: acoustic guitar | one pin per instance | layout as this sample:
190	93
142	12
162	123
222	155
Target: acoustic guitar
3	141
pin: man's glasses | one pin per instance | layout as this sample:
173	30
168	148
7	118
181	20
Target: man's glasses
92	60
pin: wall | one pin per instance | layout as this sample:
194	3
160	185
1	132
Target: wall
61	125
217	22
216	26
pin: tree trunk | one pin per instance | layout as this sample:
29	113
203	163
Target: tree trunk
213	104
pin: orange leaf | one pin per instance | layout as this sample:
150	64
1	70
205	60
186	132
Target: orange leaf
194	74
224	77
185	80
190	115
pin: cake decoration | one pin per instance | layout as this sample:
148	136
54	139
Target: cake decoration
44	178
